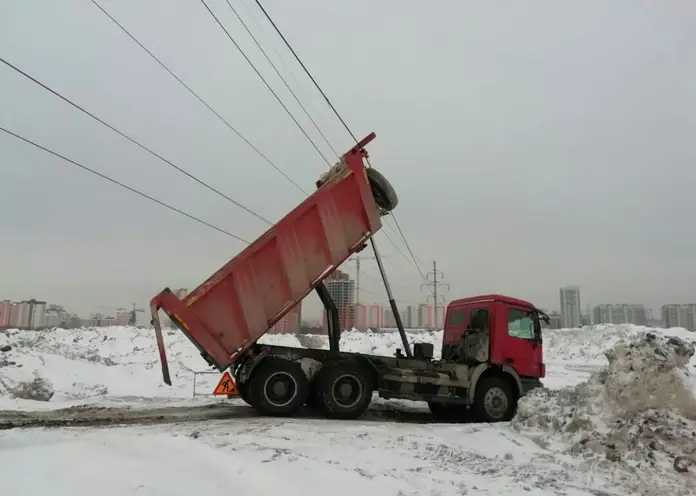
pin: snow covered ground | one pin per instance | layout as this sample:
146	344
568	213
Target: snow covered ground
173	443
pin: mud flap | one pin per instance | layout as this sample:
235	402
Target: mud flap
160	345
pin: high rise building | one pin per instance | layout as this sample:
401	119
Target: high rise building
5	307
409	317
570	307
29	314
620	314
388	320
342	290
290	323
675	315
424	317
37	319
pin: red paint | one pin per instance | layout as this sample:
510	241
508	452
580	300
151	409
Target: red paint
522	354
240	302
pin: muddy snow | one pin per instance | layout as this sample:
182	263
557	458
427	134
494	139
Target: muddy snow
638	411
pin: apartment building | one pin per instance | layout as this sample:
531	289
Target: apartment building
5	308
679	315
570	307
290	323
342	290
622	313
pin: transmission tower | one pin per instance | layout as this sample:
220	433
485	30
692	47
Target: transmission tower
434	279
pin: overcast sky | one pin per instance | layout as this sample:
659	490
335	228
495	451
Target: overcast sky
533	144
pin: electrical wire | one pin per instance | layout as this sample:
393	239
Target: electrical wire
287	44
200	99
234	42
338	115
367	291
396	247
288	70
118	183
282	79
132	140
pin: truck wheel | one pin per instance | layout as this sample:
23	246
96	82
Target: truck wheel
244	392
382	190
345	390
278	387
313	399
494	400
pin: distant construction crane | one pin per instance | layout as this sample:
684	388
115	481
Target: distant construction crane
132	319
434	284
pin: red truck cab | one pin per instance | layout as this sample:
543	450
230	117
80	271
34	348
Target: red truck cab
498	330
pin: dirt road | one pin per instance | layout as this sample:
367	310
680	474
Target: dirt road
96	416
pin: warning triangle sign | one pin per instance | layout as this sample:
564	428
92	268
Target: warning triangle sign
226	386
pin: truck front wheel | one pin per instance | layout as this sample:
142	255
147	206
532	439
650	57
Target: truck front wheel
278	387
494	400
345	390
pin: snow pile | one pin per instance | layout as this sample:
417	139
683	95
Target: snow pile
121	364
36	388
67	365
639	410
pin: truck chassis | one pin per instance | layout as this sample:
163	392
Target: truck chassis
279	380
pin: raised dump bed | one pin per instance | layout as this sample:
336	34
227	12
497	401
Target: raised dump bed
238	304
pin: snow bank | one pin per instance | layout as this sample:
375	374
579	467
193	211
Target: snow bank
638	410
122	363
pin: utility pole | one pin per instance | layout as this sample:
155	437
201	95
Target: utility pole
434	279
358	258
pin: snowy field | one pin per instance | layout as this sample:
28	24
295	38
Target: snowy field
608	424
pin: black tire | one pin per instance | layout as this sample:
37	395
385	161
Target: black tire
278	387
244	392
494	400
382	190
436	408
345	390
313	399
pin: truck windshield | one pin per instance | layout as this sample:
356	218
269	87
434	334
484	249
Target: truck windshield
521	324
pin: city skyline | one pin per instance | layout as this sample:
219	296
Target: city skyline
34	313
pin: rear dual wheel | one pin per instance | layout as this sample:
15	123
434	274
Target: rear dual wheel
277	387
343	390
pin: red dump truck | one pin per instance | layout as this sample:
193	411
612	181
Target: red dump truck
492	346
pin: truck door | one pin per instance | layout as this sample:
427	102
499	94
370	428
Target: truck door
478	334
516	345
455	325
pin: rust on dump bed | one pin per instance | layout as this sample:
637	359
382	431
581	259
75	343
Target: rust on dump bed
237	305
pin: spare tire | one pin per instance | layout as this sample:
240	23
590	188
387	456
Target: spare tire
382	190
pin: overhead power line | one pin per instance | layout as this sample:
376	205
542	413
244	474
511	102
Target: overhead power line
122	185
298	87
304	67
234	42
221	118
338	115
132	140
304	109
198	97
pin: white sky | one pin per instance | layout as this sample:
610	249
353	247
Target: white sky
533	144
